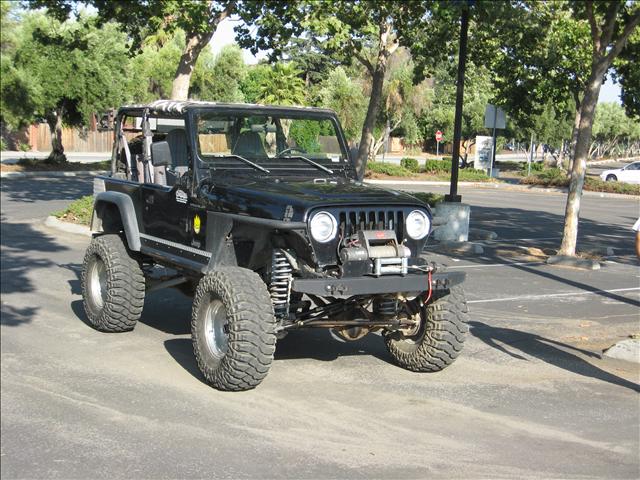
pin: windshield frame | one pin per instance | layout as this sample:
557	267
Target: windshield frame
287	112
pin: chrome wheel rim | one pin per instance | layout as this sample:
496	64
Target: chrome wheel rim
98	283
216	328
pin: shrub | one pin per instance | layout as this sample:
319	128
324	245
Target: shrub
388	169
410	164
3	145
78	211
24	147
471	175
437	166
535	167
555	177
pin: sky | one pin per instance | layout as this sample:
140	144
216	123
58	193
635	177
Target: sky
610	91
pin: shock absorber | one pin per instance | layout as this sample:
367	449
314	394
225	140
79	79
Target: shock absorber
280	284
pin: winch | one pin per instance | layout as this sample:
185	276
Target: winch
381	248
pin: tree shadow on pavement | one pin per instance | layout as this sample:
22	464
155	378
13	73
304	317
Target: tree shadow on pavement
23	251
34	189
549	351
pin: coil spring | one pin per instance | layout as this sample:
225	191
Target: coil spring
385	305
280	284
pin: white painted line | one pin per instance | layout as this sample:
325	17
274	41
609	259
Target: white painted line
508	264
552	295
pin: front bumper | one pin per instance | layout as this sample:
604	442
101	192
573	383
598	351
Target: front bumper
346	287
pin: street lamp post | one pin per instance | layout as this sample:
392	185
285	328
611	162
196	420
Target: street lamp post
457	126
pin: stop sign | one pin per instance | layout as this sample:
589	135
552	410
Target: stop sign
438	136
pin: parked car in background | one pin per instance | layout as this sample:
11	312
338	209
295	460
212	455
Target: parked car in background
628	174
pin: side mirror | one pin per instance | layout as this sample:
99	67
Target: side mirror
160	154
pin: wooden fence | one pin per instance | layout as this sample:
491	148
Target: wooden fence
73	139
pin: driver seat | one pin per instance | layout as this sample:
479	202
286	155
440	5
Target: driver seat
249	144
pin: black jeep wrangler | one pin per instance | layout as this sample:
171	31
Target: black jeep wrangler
257	213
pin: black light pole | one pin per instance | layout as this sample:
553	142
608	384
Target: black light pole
457	126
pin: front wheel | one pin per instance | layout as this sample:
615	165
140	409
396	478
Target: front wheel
439	338
233	329
113	285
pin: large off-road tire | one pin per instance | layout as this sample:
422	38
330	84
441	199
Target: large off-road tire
233	329
113	285
440	338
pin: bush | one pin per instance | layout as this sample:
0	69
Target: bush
437	166
535	167
24	147
410	164
3	145
471	175
388	169
78	211
554	177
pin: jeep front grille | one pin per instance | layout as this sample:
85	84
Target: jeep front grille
353	220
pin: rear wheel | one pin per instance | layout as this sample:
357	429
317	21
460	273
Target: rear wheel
113	285
439	338
612	178
233	329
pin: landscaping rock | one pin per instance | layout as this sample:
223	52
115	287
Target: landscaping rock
480	234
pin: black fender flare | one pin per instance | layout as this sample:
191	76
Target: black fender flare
127	211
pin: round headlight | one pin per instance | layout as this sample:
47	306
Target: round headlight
418	224
323	227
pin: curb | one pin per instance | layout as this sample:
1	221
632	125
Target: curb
573	262
628	350
80	173
504	186
53	222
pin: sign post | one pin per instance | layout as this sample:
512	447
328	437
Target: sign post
494	118
438	140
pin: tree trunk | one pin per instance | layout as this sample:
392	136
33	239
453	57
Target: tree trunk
57	155
366	139
583	140
194	45
574	136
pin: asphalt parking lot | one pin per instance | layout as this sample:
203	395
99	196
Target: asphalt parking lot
531	396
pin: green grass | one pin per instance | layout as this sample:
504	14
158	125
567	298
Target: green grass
39	164
78	211
388	169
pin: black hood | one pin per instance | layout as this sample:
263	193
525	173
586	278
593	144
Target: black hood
269	198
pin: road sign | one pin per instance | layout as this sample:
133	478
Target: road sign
438	136
494	117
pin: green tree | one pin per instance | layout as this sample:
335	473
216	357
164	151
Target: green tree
75	69
282	85
611	24
198	20
344	95
628	74
220	78
346	30
255	77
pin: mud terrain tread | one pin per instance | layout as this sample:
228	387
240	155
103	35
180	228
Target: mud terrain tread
252	339
443	338
125	285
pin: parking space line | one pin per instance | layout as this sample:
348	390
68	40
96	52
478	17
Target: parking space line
552	295
506	264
